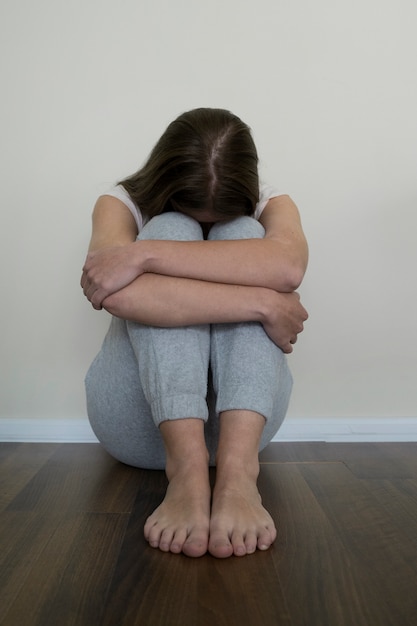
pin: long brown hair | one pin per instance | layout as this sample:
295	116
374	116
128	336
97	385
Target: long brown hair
205	160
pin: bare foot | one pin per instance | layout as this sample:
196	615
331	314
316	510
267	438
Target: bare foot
239	523
181	522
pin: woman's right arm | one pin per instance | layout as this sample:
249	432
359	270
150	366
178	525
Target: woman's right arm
113	228
155	299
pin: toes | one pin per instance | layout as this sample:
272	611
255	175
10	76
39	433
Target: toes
148	528
166	540
176	541
152	533
169	540
221	551
196	544
220	545
238	543
266	538
159	537
251	542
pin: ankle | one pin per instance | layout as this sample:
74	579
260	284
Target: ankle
185	447
238	449
234	471
188	468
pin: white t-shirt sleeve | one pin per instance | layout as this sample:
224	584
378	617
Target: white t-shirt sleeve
120	193
266	192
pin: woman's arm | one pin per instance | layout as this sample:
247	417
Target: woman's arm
108	266
113	224
170	301
166	301
277	262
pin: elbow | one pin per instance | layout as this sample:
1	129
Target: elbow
289	268
296	278
295	271
291	280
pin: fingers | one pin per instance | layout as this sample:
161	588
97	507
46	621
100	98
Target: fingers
294	337
91	292
83	278
96	297
97	307
302	311
88	280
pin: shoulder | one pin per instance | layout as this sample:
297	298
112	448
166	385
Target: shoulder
266	193
119	192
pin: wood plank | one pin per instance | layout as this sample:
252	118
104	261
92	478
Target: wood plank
376	460
79	478
19	462
172	589
150	587
399	500
68	583
378	550
313	565
23	537
72	549
366	460
300	451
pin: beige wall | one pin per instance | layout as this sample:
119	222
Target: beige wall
329	88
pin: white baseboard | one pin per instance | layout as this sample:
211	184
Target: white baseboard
294	429
355	429
47	430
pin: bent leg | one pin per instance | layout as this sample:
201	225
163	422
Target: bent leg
118	411
173	369
249	371
173	365
252	384
172	362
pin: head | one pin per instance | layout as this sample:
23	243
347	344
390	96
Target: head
205	162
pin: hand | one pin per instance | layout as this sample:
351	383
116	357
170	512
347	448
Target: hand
285	320
108	270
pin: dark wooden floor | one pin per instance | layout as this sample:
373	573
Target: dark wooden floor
72	549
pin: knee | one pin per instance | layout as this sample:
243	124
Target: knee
239	228
173	226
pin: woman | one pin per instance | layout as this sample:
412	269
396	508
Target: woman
198	267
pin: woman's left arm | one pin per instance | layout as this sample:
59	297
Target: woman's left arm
278	261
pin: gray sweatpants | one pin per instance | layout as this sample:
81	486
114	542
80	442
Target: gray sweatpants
145	375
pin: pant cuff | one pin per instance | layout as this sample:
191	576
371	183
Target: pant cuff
179	407
239	398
